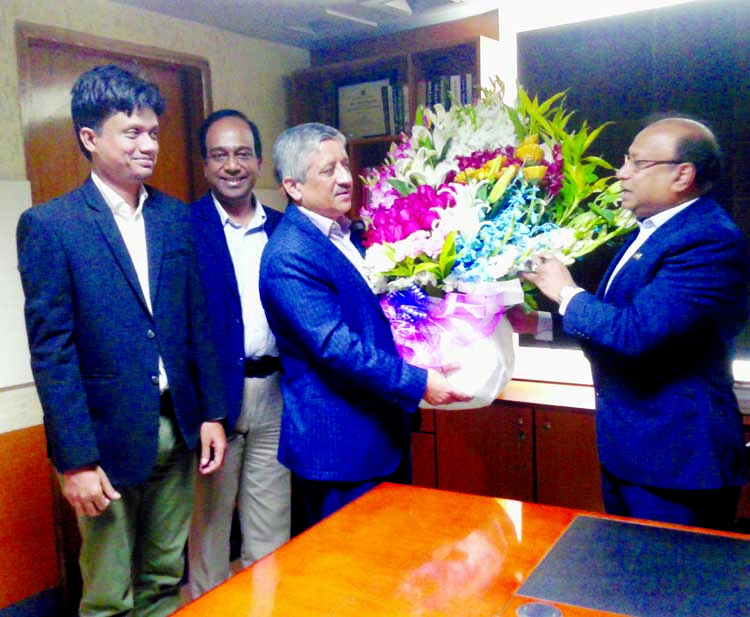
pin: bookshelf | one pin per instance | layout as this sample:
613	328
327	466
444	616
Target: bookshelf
314	90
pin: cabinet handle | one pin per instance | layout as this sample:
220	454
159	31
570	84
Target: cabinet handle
519	421
547	426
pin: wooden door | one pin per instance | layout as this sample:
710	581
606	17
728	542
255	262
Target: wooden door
49	64
487	451
567	463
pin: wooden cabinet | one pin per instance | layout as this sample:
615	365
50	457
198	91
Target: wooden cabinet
567	464
518	450
530	446
314	90
743	510
423	451
487	451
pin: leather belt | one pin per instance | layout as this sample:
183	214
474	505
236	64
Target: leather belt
262	367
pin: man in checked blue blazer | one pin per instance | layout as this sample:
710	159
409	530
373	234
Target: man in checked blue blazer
659	335
349	399
121	353
230	229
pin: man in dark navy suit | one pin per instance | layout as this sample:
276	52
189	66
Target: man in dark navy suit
349	399
659	334
230	230
123	364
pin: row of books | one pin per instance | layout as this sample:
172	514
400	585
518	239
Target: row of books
372	108
396	112
445	90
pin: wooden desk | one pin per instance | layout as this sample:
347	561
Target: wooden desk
400	550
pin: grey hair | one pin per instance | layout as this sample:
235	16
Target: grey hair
292	150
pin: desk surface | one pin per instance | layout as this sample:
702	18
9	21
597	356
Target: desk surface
400	550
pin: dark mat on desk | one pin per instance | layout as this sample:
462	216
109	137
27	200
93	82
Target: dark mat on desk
644	571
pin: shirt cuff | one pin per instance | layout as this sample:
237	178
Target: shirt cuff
567	293
544	326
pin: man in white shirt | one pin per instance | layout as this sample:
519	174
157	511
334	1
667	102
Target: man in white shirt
230	230
122	362
659	333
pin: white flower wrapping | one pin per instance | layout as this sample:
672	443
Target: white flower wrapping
465	333
485	366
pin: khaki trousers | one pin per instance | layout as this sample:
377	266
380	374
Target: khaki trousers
254	480
132	555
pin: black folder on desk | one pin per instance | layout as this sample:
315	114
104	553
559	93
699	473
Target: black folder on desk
644	571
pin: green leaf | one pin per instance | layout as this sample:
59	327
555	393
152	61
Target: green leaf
448	254
403	188
444	151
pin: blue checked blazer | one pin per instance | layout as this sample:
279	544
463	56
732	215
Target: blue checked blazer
348	397
660	346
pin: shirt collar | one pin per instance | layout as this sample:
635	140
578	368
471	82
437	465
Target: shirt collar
325	224
657	220
256	223
117	204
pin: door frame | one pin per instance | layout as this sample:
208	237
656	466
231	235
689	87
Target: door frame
29	33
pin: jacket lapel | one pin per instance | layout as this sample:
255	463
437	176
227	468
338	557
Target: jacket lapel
602	291
105	220
215	241
156	232
331	254
666	236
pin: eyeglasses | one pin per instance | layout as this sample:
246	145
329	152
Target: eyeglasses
643	164
220	157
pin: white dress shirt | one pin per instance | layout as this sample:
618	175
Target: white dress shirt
647	228
246	244
133	231
338	233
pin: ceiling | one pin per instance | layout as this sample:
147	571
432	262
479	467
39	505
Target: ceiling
312	24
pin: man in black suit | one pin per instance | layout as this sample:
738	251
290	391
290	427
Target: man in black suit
123	364
230	230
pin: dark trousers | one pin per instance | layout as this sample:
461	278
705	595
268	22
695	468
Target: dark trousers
324	497
711	508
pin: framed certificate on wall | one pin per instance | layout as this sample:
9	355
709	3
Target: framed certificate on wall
362	110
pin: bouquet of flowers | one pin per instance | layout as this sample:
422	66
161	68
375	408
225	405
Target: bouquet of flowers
458	210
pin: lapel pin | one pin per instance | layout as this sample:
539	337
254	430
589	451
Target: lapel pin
638	255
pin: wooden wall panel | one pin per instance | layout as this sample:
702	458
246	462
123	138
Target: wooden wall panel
28	562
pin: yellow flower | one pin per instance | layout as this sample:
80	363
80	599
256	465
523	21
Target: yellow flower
534	173
530	151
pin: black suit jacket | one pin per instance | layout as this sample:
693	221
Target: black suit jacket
223	296
95	345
